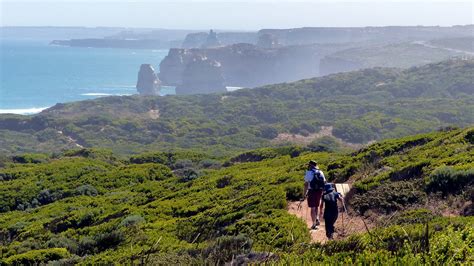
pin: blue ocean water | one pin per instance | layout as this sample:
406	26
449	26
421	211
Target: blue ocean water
35	75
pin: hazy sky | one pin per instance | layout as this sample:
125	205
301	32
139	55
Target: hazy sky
243	15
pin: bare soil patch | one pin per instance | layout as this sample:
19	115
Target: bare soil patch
346	224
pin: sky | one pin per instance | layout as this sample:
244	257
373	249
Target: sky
234	15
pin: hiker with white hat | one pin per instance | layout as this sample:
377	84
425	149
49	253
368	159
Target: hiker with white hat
313	190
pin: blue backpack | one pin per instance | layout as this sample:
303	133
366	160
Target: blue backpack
317	183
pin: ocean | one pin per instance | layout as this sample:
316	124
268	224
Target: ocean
35	75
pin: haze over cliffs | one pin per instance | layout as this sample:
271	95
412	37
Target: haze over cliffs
289	55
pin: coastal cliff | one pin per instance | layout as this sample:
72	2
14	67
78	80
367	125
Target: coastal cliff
247	65
199	39
202	76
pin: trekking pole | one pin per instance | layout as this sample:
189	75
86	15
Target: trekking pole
301	202
344	211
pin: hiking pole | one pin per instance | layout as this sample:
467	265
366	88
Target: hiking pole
344	211
301	201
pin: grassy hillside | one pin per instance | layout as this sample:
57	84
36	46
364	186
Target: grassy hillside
361	106
88	206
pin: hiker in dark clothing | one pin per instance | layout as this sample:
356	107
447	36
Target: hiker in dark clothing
331	212
313	190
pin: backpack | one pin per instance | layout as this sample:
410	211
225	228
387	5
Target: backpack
330	201
318	181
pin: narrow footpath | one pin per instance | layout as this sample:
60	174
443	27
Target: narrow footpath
346	225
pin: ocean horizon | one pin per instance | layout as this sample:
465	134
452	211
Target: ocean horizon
35	75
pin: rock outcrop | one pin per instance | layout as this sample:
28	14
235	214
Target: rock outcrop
211	41
267	40
148	82
202	75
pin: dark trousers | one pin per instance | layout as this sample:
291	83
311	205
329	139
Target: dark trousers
330	218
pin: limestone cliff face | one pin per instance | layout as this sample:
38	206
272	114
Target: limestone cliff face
202	75
148	82
194	40
173	65
246	65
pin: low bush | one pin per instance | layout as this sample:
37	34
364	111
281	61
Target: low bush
226	247
324	144
449	180
132	220
388	197
86	190
413	217
35	257
30	158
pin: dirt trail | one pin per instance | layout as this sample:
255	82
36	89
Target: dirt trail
345	225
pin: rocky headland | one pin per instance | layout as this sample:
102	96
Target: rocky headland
247	65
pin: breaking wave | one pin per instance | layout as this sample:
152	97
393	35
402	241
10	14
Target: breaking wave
23	111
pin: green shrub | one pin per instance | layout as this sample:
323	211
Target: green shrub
210	164
108	240
100	154
161	158
324	144
86	190
87	245
294	191
267	132
30	158
449	180
413	217
470	136
132	220
388	197
224	181
39	256
63	242
186	175
226	247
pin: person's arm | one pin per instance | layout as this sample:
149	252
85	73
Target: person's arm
341	199
306	185
322	175
307	179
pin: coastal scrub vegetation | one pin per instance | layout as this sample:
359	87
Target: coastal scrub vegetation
89	206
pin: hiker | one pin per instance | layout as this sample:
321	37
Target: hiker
331	212
313	190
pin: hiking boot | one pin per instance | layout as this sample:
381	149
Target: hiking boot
314	227
317	222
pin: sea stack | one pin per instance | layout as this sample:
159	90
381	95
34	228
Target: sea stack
202	75
148	82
